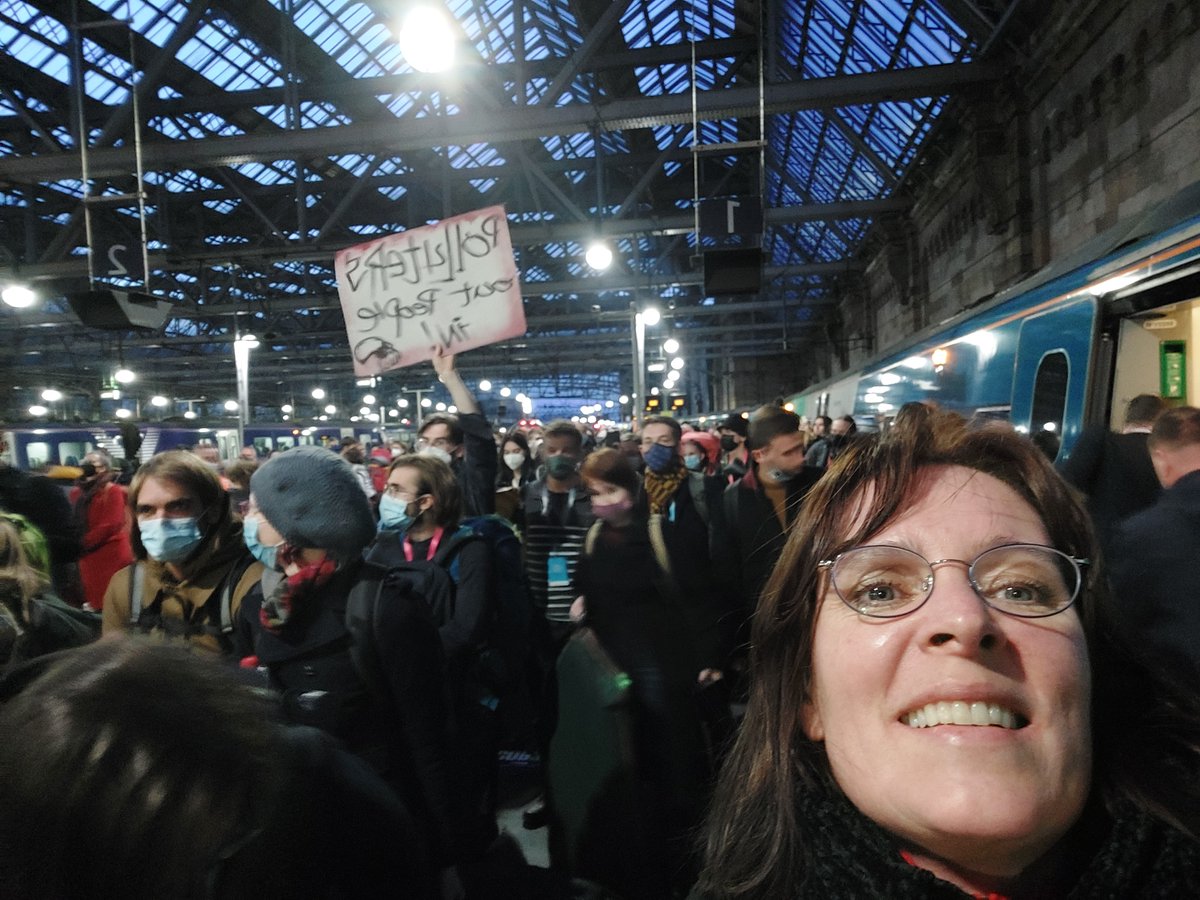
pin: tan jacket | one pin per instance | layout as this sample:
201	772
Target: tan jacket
202	577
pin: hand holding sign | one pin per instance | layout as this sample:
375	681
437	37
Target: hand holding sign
429	291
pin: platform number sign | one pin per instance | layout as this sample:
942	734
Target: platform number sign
731	220
120	262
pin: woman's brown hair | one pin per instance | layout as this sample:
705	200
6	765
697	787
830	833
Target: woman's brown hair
436	479
1145	732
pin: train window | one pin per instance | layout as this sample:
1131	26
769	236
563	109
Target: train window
37	454
1050	395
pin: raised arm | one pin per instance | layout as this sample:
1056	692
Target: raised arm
459	393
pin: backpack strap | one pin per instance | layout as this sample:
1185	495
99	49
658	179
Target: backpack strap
658	544
589	542
699	499
362	621
135	591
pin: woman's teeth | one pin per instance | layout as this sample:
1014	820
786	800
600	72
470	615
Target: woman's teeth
960	712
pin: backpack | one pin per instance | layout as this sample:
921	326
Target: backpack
33	541
502	660
215	619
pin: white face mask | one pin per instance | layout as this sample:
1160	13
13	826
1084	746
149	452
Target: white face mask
514	460
437	453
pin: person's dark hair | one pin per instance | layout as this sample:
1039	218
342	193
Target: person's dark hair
239	471
611	466
1145	729
828	422
1144	409
451	422
912	415
849	420
437	479
563	428
189	472
528	468
736	423
151	775
1176	428
768	423
669	421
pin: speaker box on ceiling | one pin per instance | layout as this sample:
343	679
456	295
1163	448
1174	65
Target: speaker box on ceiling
736	271
112	310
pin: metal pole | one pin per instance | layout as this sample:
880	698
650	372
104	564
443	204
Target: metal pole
638	400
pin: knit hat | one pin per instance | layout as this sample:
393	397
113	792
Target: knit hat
736	424
313	498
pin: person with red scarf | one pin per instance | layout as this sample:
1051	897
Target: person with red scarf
99	506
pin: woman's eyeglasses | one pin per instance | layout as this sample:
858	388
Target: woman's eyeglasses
1026	580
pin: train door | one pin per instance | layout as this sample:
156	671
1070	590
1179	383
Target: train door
1050	374
1156	355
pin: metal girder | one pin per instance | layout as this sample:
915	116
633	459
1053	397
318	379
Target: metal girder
515	124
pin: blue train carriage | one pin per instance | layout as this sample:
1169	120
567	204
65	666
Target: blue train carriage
1066	348
38	447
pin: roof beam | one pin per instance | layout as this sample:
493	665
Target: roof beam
514	124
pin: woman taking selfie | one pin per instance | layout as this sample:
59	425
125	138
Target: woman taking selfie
940	706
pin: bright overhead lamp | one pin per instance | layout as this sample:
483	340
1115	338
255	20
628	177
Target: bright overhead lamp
505	392
677	363
124	376
159	400
369	399
50	395
330	409
318	393
426	40
651	316
402	403
624	398
440	407
599	256
191	414
670	345
485	385
286	408
426	403
364	411
231	406
18	296
608	404
123	413
38	410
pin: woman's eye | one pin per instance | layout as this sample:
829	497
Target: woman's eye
877	594
1023	594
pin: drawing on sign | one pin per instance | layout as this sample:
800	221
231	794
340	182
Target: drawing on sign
442	288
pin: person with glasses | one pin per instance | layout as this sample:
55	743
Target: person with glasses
463	441
940	705
191	569
99	507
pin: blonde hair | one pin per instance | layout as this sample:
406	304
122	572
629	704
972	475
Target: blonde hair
19	581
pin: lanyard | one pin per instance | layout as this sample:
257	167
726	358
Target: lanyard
433	545
546	503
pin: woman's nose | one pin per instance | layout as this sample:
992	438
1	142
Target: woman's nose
956	617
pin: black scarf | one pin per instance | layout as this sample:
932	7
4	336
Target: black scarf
1127	855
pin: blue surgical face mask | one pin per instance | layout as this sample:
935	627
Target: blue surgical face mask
694	463
393	514
658	458
263	553
170	540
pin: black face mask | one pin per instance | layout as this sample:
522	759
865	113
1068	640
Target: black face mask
88	470
728	443
837	441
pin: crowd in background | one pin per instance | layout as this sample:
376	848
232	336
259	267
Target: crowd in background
585	596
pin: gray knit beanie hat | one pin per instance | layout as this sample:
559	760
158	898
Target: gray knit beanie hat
314	500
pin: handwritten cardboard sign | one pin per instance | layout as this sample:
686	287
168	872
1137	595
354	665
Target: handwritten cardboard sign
442	288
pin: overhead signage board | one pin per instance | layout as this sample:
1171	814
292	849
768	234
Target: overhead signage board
731	219
441	288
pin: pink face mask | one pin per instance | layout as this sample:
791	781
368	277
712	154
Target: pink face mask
608	510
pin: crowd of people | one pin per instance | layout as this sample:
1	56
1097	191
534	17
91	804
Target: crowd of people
856	664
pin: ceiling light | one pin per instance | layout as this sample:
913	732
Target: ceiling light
677	363
38	410
18	296
485	385
50	395
599	256
330	409
124	376
231	406
426	40
505	392
318	393
369	399
159	400
123	413
651	316
670	345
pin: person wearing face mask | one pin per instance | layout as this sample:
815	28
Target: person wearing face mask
636	597
515	469
99	507
732	433
352	452
701	451
420	515
758	510
826	449
192	569
462	441
310	525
